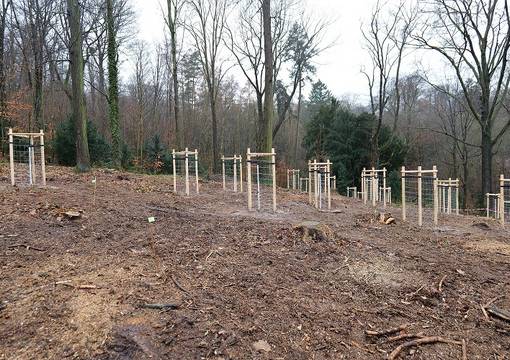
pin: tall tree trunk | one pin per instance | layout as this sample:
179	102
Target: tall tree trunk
214	132
267	131
3	95
298	119
38	92
113	86
260	120
78	100
172	24
486	161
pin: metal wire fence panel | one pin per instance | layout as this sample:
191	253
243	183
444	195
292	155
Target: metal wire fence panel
506	201
419	195
185	171
232	173
492	205
262	182
26	159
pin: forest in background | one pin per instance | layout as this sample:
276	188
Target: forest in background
61	62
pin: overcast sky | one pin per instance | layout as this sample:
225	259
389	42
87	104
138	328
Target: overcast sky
339	66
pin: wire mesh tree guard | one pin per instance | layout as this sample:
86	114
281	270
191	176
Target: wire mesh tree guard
492	205
504	199
182	163
26	158
293	179
373	186
261	179
303	184
352	192
419	193
232	169
319	189
448	196
333	182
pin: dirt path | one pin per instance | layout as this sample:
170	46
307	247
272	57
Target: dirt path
247	285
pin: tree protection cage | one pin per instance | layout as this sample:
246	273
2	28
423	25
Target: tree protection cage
232	170
182	163
26	158
261	172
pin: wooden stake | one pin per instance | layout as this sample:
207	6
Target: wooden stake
273	160
384	188
11	156
223	171
241	172
31	157
175	171
235	173
196	170
43	161
403	175
435	195
309	182
420	199
502	199
457	196
248	178
328	183
186	171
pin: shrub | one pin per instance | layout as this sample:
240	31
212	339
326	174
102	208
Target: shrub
64	144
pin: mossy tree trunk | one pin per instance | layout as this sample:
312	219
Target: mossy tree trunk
77	96
113	85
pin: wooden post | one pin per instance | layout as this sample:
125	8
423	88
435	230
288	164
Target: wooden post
288	174
186	163
403	176
310	182
449	210
43	161
487	202
317	186
196	170
223	172
11	156
235	173
328	183
384	188
435	195
363	185
273	161
502	199
241	173
420	199
248	178
457	197
375	187
175	170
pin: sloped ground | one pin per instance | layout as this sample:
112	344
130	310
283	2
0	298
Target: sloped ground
247	285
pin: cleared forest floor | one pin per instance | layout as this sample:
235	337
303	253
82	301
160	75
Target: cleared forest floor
246	285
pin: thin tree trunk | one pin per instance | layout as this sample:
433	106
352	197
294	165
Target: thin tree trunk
113	86
267	132
78	100
298	119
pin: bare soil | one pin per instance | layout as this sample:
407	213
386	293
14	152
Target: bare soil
247	285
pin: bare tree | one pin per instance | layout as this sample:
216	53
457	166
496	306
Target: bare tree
474	37
386	54
174	9
207	31
33	22
246	43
